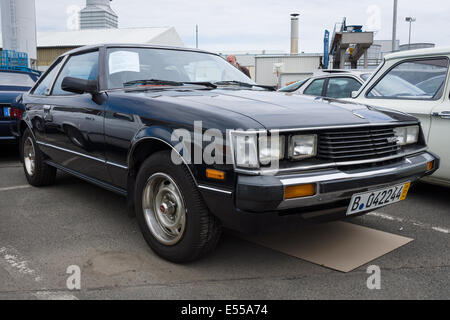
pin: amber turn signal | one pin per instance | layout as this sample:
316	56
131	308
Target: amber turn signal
215	174
430	165
300	191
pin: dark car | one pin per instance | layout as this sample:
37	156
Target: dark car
12	85
196	145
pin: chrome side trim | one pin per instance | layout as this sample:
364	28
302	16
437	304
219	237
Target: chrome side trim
70	151
327	165
81	155
116	165
214	189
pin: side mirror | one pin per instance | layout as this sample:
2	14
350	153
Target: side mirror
79	86
354	94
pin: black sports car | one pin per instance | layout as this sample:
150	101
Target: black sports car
195	145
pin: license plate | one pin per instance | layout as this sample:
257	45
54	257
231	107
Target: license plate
6	112
379	198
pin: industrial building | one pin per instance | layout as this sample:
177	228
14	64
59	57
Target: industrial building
52	44
98	15
280	70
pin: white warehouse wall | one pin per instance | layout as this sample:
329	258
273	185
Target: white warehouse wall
299	66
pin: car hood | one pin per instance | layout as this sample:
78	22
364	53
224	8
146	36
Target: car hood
276	110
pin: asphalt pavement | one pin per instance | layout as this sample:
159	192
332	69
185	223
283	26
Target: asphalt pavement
44	231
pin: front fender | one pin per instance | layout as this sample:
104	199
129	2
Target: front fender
162	135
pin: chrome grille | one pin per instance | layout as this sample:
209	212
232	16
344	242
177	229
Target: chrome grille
358	144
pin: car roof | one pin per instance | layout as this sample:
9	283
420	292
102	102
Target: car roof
340	73
122	45
419	53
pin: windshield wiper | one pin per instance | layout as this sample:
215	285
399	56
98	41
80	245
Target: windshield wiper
149	82
202	83
158	82
243	84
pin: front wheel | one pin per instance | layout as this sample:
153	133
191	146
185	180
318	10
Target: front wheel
171	213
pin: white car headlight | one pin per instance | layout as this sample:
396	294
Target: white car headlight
245	149
271	149
302	146
407	135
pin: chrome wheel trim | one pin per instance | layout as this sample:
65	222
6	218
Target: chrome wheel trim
29	156
164	209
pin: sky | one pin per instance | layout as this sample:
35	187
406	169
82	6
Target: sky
247	25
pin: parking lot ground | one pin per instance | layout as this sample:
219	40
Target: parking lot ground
43	231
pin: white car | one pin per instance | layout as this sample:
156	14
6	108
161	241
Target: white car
417	82
330	84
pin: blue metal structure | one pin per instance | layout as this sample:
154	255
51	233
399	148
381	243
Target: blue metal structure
15	61
326	51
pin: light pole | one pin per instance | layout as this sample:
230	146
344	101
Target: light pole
196	36
410	20
394	26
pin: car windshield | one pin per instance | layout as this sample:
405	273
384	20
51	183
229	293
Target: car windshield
15	79
293	87
128	65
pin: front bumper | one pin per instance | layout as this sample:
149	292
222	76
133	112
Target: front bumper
258	201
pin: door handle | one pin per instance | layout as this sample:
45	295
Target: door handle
442	114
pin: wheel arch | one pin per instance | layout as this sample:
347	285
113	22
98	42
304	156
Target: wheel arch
148	141
24	125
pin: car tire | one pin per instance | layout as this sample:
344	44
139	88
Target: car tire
171	213
37	172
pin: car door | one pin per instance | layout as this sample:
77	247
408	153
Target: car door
438	139
36	101
400	86
341	87
74	134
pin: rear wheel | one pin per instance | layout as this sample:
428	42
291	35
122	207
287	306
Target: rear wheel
171	213
37	172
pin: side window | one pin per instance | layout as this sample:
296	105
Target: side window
342	87
315	88
420	80
44	85
83	66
